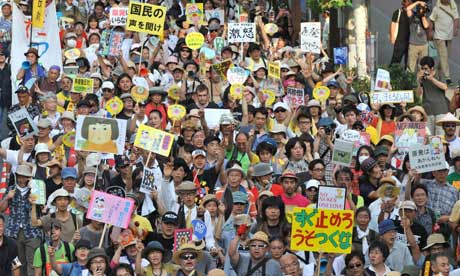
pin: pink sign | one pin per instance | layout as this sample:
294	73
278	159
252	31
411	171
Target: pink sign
110	209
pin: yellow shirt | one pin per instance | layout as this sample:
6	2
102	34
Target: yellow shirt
61	96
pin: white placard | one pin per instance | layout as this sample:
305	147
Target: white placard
343	152
331	198
216	13
310	37
22	123
406	96
118	16
382	80
212	116
237	75
427	159
241	32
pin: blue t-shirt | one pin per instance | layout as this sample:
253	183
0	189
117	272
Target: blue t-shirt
72	269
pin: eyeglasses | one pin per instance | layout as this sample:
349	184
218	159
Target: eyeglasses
353	266
450	125
188	256
304	122
258	245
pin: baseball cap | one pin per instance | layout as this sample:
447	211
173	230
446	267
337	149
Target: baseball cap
170	218
198	152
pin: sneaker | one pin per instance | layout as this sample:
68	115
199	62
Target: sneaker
449	82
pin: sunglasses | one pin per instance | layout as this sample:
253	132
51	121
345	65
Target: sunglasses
258	245
188	256
450	125
353	266
280	110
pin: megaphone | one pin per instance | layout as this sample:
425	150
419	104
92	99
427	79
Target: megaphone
26	65
144	72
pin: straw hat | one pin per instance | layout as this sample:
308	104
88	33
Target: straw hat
260	236
421	110
448	118
186	248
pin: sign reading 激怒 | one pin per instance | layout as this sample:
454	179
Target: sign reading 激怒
146	18
425	158
332	198
241	32
310	37
118	16
110	209
406	96
330	230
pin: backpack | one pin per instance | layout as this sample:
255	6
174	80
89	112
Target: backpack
74	219
43	254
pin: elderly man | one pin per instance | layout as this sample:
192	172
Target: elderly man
290	265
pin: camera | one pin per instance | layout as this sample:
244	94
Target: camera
327	130
425	74
191	74
422	10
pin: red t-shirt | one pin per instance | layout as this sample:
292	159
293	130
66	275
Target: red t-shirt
276	189
295	201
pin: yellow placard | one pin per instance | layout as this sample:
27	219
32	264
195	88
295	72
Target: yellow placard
139	94
83	85
329	231
194	13
68	139
72	53
146	18
176	112
221	68
114	106
154	140
321	93
236	91
269	97
271	28
194	40
173	92
38	13
274	70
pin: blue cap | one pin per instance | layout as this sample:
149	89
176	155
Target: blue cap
69	172
326	122
333	83
240	197
385	226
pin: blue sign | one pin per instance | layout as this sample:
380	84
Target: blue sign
199	229
340	55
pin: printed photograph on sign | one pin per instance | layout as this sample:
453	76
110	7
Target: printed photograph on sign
98	134
310	37
340	55
22	123
342	153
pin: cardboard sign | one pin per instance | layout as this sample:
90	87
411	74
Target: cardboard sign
146	18
330	230
199	229
154	140
237	75
38	13
222	68
216	13
181	236
332	198
212	116
410	134
194	40
194	13
274	70
115	43
98	134
110	209
343	152
118	16
38	191
340	55
310	37
295	97
83	85
241	32
382	80
427	159
406	96
22	123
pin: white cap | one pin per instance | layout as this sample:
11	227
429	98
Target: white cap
282	105
41	147
312	183
107	84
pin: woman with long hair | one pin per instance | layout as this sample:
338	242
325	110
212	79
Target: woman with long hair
273	221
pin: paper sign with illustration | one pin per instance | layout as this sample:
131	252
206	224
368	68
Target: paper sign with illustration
382	80
38	191
340	55
154	140
222	68
181	236
332	198
212	116
194	13
22	123
241	32
426	159
82	196
310	37
406	96
118	16
110	209
410	134
216	13
343	152
148	181
100	134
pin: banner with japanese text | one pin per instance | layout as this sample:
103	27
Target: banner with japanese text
110	209
329	231
146	18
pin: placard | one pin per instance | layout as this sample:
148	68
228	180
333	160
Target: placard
176	112
343	152
410	134
310	37
118	16
212	116
99	134
181	236
22	123
331	198
154	140
328	230
38	191
321	93
148	181
83	85
38	13
382	80
241	32
110	209
406	96
146	18
295	97
426	159
115	43
218	43
199	229
340	55
274	70
116	190
268	96
194	14
194	40
216	13
237	75
114	106
104	43
222	68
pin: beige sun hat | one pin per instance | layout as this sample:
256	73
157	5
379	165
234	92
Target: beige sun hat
448	118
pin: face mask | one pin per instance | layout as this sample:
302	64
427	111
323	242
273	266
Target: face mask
71	43
362	158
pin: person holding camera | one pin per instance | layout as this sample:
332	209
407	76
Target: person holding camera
418	40
432	91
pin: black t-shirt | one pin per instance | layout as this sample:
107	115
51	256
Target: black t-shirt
404	26
8	252
418	231
51	186
168	244
194	106
208	180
